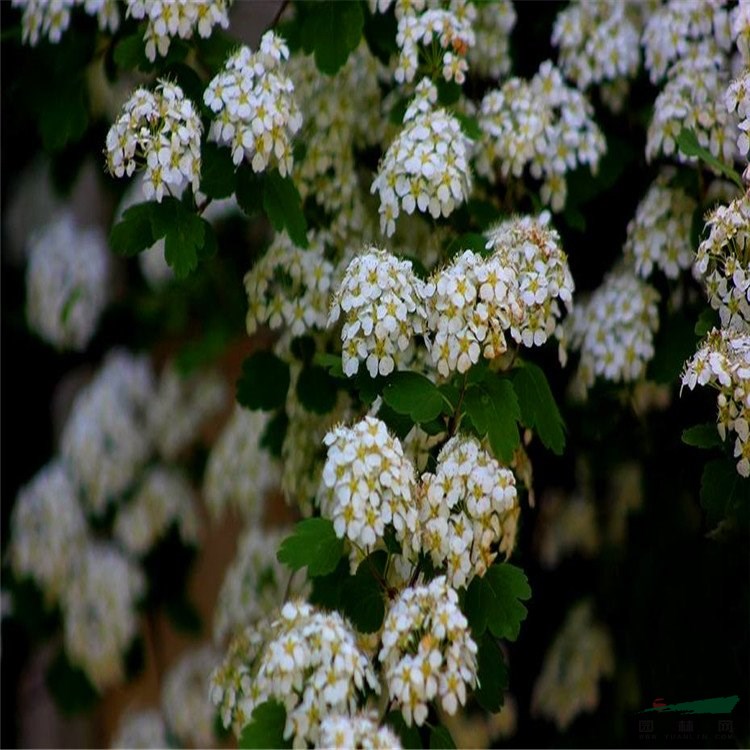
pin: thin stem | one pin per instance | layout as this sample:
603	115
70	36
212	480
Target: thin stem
457	413
288	589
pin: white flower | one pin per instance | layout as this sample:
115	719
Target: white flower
737	99
360	730
51	18
489	56
740	20
141	729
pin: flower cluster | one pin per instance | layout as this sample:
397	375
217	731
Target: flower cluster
740	21
541	124
367	486
461	509
167	19
288	287
50	18
579	657
141	729
187	709
737	100
163	499
427	651
531	247
451	31
47	530
722	261
67	282
471	302
99	612
238	472
490	54
724	361
426	168
383	305
256	114
659	233
162	130
599	44
360	730
613	329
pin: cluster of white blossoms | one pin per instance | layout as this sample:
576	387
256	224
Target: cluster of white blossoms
426	29
360	730
160	130
531	247
187	708
490	54
67	282
740	22
461	508
288	287
140	729
579	657
252	99
253	585
426	167
168	19
164	499
723	360
678	30
98	605
542	124
600	44
693	98
50	18
47	530
367	486
312	664
659	233
181	406
105	440
472	304
613	329
722	262
737	99
382	301
239	474
427	651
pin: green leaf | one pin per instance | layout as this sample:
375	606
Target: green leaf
449	92
214	50
249	190
493	408
687	142
380	31
314	545
264	382
183	231
326	590
69	686
723	490
413	394
283	206
409	736
316	389
538	407
331	362
332	31
673	344
202	351
702	436
440	737
218	179
133	233
362	596
483	212
469	125
273	436
266	728
492	674
707	321
183	614
63	115
130	52
470	241
399	424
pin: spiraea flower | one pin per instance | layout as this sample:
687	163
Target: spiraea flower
737	100
472	303
360	730
159	131
169	19
144	729
659	233
462	507
723	360
721	262
50	18
531	247
580	656
382	302
239	473
489	56
740	23
252	99
67	282
99	608
367	487
426	168
613	329
164	499
312	664
48	530
185	700
288	287
427	651
542	125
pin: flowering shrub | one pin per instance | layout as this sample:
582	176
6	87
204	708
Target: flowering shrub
470	286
